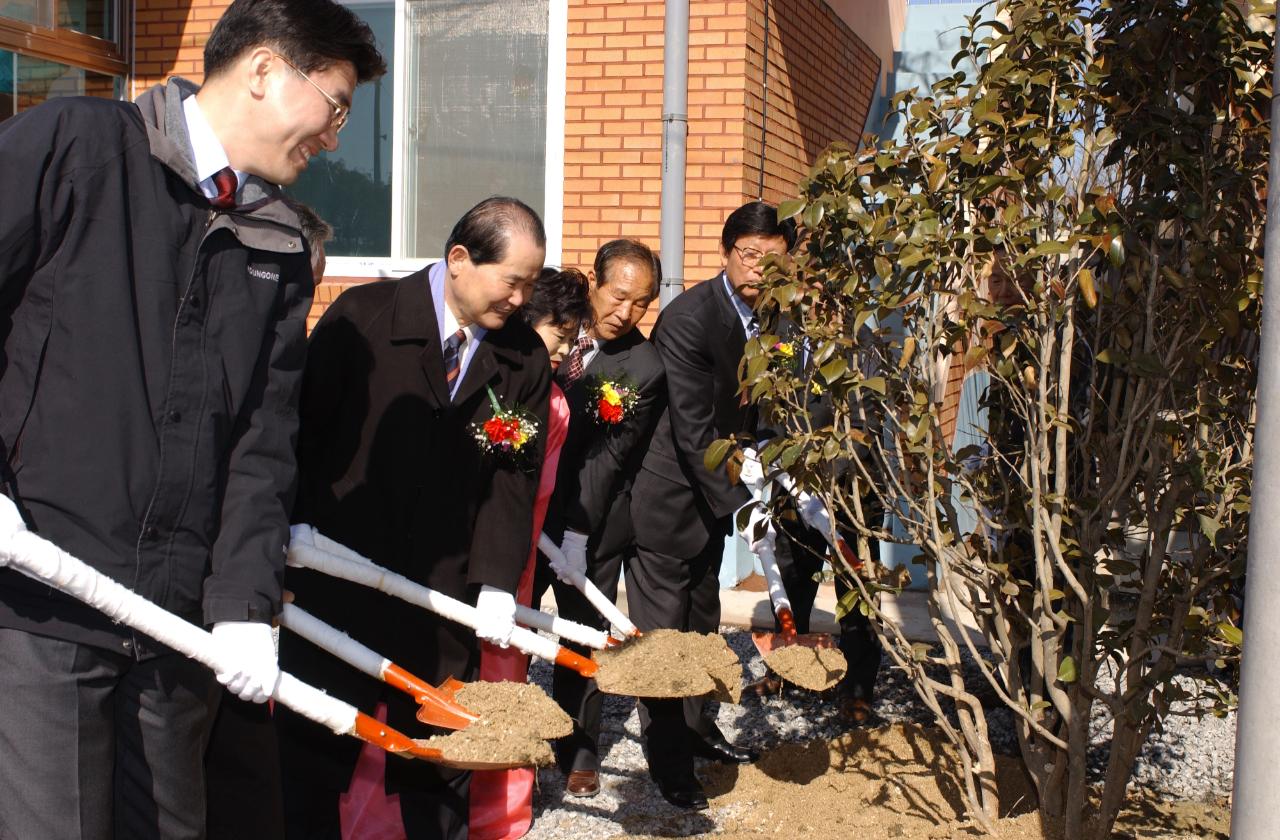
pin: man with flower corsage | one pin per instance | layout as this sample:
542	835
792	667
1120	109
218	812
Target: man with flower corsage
400	459
615	384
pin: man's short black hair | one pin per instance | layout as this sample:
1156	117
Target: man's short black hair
756	219
628	250
484	229
559	296
313	34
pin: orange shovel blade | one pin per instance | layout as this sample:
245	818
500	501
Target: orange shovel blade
768	642
436	707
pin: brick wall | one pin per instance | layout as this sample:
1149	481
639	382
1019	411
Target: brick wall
613	126
821	84
169	39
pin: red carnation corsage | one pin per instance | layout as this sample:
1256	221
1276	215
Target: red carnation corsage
613	399
509	435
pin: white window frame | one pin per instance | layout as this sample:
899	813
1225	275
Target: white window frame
553	187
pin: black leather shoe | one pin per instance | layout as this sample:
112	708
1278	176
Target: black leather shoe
689	796
717	748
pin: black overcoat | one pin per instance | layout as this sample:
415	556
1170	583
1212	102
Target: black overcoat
598	461
677	504
388	466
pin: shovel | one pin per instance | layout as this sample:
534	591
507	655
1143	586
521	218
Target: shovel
41	560
307	549
583	584
437	707
766	642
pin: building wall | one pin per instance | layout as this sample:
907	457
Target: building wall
821	82
169	39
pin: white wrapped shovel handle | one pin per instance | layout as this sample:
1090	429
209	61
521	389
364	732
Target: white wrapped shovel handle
305	550
583	584
40	559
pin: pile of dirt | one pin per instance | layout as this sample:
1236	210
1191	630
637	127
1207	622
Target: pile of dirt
516	720
517	707
671	663
903	781
483	745
814	668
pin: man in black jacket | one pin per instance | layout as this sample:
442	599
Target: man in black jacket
682	511
399	375
154	291
590	512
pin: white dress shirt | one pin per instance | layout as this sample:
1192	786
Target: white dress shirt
750	325
448	324
210	156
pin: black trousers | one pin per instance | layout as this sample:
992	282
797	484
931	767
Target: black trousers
799	564
96	745
439	811
242	773
681	594
577	695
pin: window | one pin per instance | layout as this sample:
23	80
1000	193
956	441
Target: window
53	48
470	108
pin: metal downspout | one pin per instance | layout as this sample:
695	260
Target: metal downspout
675	132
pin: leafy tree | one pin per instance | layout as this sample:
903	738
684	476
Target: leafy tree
1081	220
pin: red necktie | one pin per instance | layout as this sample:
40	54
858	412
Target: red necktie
452	357
226	182
572	368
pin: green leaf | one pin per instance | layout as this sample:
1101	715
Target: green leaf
1209	527
790	207
812	216
834	369
1052	246
875	383
1067	670
716	453
1231	634
1116	252
846	604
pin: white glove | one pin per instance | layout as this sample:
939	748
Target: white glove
249	651
752	472
813	512
574	549
497	616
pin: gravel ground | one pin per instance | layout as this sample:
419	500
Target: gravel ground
1192	759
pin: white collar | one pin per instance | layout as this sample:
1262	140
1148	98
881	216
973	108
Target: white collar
451	327
208	151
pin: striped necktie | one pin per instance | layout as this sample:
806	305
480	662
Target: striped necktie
453	357
572	368
226	182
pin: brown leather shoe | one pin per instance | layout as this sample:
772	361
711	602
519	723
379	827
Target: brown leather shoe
766	686
583	783
855	710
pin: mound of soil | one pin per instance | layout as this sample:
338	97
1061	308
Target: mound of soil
482	743
816	669
516	707
902	781
671	663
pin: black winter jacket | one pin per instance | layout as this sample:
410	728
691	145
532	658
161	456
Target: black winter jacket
152	355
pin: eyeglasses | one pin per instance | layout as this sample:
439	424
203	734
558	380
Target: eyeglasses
749	257
340	112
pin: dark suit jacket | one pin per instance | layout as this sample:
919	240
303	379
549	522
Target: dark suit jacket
678	505
388	466
598	461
